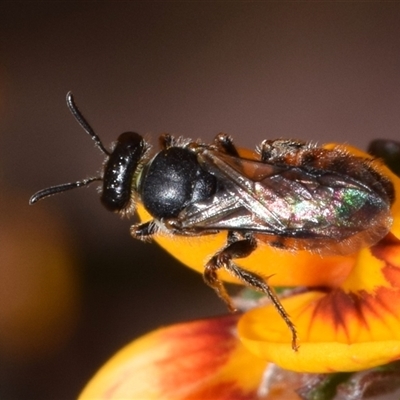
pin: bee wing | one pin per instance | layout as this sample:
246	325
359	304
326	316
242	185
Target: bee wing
288	201
241	202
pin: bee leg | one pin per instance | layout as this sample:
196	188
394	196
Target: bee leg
272	149
266	150
224	143
240	248
166	141
144	231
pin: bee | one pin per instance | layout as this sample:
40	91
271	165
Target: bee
293	195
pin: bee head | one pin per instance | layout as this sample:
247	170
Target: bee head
121	168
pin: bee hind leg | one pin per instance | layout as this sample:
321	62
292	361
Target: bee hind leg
224	143
240	246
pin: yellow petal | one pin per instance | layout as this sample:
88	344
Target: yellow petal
194	360
354	327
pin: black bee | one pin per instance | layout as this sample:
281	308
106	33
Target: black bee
293	195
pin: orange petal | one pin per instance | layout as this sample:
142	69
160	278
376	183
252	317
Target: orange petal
345	329
195	360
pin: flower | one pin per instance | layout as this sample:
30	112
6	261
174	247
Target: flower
350	325
346	313
347	328
195	360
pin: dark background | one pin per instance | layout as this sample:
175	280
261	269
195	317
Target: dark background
319	71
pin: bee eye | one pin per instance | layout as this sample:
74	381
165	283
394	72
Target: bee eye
120	169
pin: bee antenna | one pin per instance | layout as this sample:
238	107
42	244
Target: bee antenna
84	124
41	194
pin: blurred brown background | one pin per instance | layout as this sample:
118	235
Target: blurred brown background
74	287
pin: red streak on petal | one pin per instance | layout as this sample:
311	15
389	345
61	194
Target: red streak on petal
392	275
342	309
388	250
389	300
196	351
338	307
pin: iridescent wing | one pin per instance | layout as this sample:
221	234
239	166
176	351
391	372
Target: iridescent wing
312	205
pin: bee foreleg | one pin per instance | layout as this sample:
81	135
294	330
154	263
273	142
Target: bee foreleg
144	231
